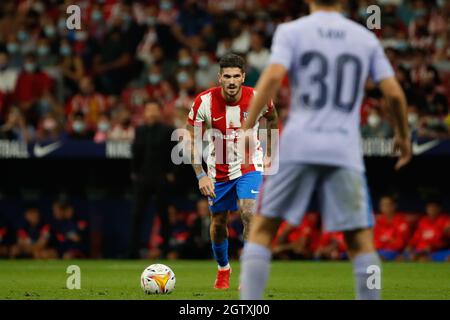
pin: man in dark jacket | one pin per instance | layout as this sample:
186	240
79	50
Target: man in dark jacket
151	172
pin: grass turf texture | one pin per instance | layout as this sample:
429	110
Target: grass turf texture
116	279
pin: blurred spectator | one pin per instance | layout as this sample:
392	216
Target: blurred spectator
70	233
258	56
199	243
121	129
240	35
6	237
430	239
297	242
179	234
192	19
330	246
46	58
79	130
206	74
88	102
49	129
103	127
16	128
14	50
391	231
72	69
32	86
8	80
112	62
376	126
33	238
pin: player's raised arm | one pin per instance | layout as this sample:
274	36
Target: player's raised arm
266	88
396	101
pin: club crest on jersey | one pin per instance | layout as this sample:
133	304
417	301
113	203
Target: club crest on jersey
245	115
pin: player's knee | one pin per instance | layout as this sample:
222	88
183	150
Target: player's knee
359	241
219	223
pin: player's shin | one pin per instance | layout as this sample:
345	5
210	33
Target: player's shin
255	266
256	257
367	274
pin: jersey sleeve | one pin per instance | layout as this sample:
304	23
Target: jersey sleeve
195	114
282	50
380	67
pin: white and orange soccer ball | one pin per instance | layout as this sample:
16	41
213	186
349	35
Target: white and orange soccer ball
158	279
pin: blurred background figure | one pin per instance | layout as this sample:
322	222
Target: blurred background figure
431	238
33	238
151	174
391	231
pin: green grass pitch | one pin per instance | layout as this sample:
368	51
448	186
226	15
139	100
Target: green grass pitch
116	279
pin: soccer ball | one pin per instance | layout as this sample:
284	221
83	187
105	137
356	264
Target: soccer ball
158	279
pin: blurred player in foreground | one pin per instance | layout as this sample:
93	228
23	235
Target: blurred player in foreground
328	59
228	182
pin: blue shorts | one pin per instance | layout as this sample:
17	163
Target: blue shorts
228	192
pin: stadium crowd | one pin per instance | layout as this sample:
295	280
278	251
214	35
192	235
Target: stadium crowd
92	83
401	236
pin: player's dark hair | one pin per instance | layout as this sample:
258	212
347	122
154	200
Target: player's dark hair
326	2
231	60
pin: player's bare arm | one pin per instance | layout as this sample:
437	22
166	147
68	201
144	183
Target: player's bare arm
205	184
396	102
272	124
267	87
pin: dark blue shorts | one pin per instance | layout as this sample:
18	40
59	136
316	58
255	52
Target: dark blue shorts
228	192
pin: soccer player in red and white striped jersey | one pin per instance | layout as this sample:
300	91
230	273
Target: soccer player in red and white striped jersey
229	183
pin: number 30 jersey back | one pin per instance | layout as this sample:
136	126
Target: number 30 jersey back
329	59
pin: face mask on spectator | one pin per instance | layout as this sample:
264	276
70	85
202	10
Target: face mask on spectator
203	62
29	66
49	124
96	15
65	51
154	78
22	35
185	61
49	31
182	77
165	5
373	120
62	24
103	126
413	118
43	50
78	126
12	47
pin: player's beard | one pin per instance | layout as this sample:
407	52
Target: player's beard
235	90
